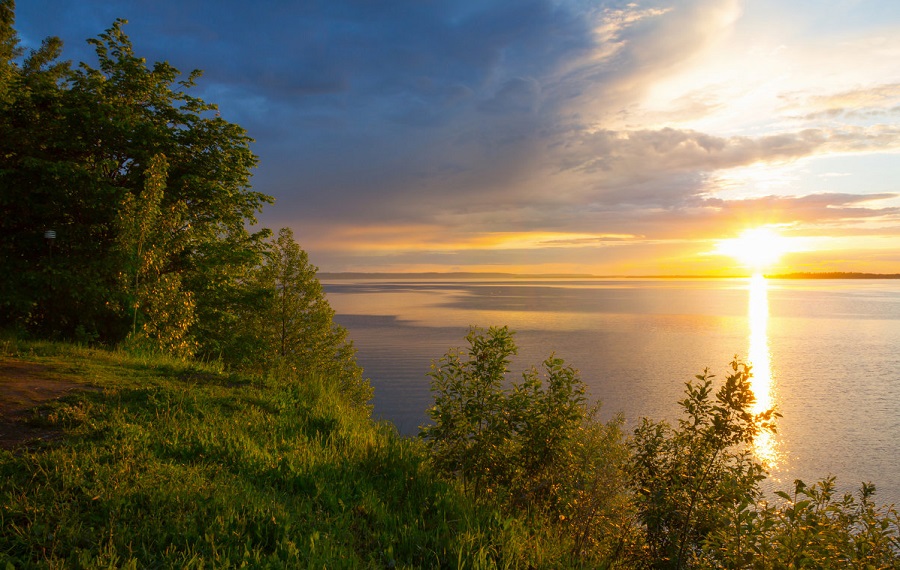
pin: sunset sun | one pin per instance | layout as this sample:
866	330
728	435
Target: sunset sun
757	248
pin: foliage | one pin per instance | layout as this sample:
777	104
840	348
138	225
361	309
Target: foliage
699	503
687	478
76	147
810	528
292	325
170	463
35	291
9	47
177	464
147	190
674	497
535	448
470	413
147	240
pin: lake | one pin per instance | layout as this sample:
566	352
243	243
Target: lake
826	353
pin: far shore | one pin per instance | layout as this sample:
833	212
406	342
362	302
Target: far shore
461	275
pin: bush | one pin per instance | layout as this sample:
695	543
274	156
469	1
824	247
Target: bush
532	447
809	528
699	503
686	496
685	479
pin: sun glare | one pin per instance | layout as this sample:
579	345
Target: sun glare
757	248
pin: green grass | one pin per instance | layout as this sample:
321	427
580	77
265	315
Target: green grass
170	464
175	464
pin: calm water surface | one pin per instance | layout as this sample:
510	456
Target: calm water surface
826	354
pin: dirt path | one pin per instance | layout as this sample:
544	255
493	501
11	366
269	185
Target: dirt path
24	385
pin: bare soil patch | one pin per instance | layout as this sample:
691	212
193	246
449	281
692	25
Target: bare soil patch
24	386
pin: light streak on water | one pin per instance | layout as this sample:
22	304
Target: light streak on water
765	445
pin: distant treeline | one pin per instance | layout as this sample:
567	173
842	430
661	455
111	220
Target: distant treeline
453	275
836	275
520	276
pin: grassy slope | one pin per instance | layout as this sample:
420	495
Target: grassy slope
179	465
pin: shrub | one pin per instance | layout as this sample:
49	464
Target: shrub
532	447
809	528
699	503
685	479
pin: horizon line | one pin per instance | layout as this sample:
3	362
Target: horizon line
512	275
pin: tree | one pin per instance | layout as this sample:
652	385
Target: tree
35	162
209	169
9	48
471	420
75	144
294	323
147	239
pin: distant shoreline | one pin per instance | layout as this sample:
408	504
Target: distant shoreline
835	275
526	276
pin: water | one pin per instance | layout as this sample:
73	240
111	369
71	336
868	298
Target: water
826	354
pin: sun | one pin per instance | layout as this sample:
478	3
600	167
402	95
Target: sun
756	248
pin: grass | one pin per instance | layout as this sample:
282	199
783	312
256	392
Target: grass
171	464
177	464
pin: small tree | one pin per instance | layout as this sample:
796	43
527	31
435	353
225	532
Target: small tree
148	239
294	322
472	420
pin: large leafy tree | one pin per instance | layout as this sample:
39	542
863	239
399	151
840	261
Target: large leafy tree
35	157
9	46
75	149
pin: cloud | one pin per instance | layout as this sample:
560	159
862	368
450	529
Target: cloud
674	150
814	208
517	95
705	219
861	104
447	124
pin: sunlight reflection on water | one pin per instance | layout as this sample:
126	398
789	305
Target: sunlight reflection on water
765	445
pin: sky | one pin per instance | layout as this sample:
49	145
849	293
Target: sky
547	136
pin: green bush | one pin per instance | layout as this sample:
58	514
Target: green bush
685	478
683	496
811	527
699	503
533	447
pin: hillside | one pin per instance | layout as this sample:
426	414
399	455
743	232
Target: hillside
110	459
130	462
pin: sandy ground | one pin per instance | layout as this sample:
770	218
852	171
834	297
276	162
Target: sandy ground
23	386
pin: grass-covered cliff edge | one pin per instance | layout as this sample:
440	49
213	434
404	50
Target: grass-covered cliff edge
160	462
164	463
